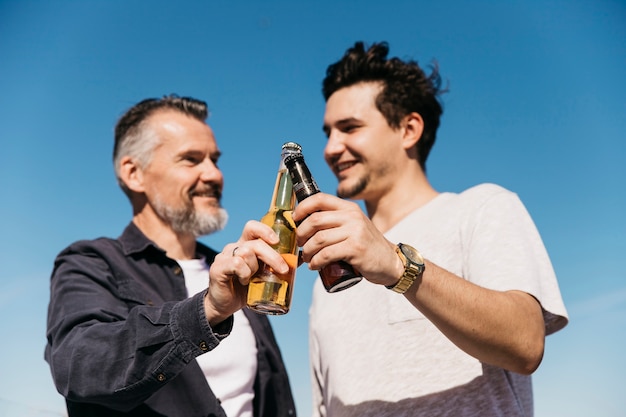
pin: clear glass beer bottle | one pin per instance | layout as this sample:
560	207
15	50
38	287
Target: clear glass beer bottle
270	292
335	276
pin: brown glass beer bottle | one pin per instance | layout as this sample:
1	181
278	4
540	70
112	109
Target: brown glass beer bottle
335	276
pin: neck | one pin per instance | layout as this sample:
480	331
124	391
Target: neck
176	245
409	192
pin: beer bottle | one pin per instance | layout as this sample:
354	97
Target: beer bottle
335	276
270	292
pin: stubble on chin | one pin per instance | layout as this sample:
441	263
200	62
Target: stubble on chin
350	191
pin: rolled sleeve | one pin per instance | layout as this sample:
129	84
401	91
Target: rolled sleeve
116	334
192	331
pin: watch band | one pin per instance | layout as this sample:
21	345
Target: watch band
413	268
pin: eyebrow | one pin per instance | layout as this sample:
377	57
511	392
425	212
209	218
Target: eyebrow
342	122
195	152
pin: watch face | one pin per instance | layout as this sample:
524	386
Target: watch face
412	253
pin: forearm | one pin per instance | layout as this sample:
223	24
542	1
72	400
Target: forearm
121	361
504	329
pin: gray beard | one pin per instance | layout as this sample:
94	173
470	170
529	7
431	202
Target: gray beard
187	220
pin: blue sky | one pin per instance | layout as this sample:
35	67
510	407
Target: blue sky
536	103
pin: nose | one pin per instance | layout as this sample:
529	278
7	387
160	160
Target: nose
334	146
209	172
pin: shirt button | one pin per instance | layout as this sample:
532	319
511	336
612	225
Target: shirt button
160	377
203	346
178	270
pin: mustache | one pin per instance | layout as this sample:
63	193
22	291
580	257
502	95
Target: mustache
207	190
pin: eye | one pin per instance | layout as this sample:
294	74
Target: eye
349	128
191	158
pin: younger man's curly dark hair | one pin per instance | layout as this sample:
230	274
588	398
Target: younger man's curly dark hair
405	88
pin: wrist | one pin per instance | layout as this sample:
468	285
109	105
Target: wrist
413	268
213	315
398	270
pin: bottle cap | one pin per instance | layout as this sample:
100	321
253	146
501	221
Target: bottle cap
292	146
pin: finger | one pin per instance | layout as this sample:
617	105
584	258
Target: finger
322	221
254	229
320	256
246	259
265	253
322	202
229	264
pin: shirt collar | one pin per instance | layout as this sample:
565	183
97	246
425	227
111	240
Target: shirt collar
133	240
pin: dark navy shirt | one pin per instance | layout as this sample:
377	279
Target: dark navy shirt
123	335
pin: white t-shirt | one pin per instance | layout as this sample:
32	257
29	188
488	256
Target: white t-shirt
374	354
230	368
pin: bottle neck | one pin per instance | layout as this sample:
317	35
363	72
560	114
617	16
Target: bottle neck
304	184
284	197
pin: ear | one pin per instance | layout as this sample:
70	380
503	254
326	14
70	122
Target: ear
413	127
131	174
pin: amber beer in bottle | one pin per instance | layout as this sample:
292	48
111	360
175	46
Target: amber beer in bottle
335	276
270	292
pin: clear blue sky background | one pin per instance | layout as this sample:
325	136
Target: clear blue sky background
536	104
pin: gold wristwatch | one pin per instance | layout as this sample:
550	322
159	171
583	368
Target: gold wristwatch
413	267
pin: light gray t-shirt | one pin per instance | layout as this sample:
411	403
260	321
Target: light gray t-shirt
374	354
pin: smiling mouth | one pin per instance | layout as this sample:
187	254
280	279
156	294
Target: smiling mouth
207	193
340	167
206	200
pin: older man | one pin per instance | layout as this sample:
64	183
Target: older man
133	329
